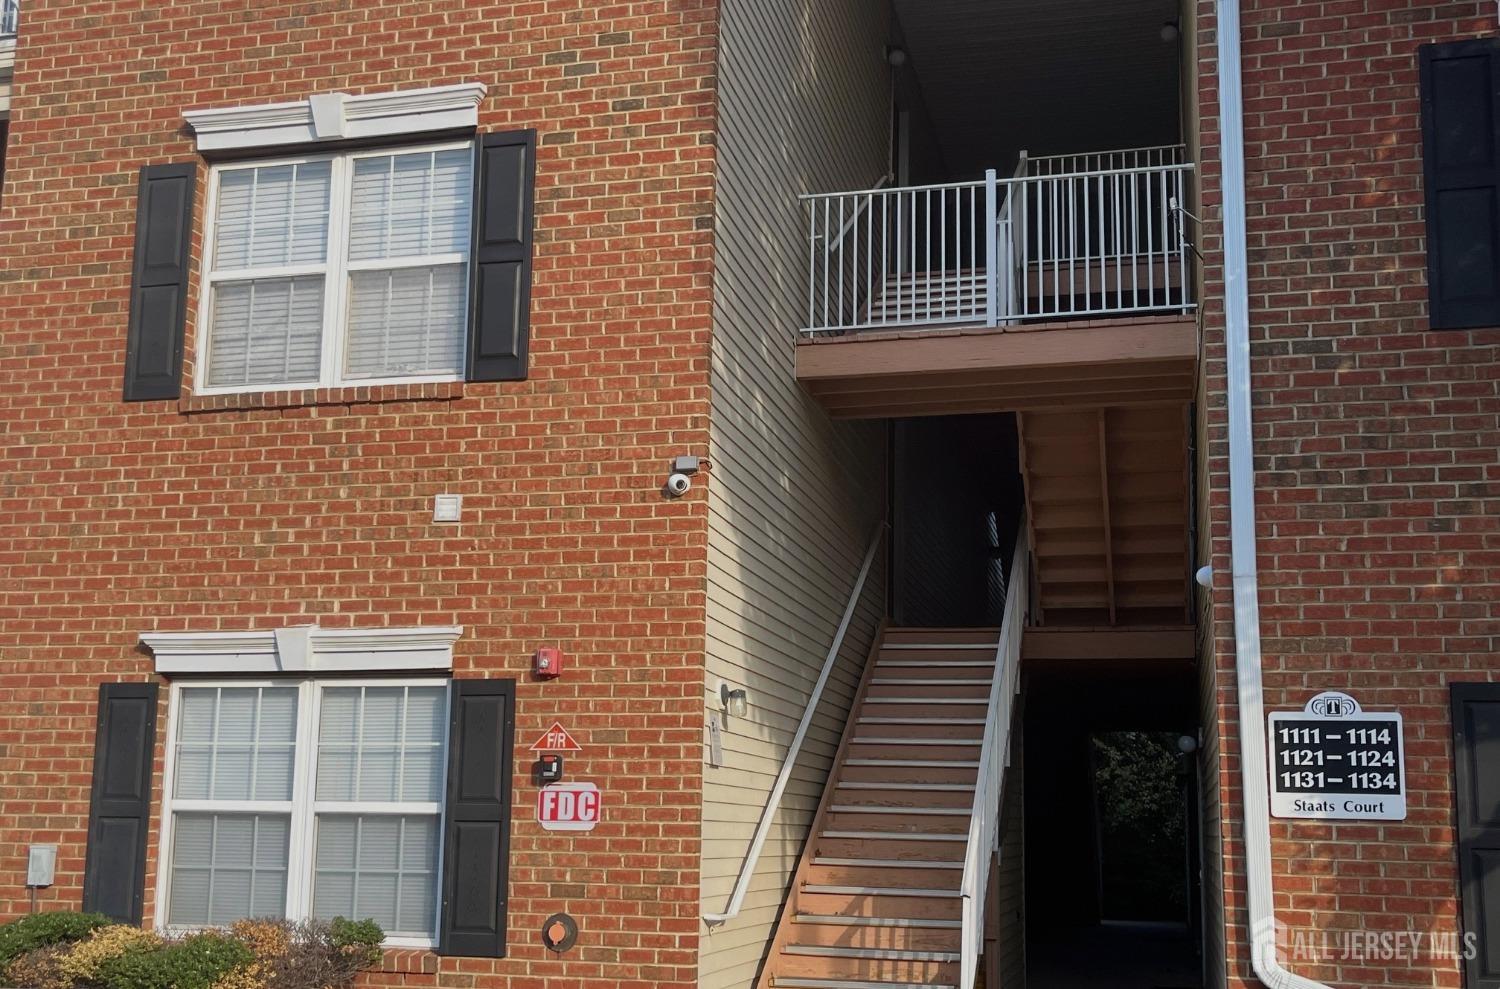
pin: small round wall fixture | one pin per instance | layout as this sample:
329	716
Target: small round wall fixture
559	932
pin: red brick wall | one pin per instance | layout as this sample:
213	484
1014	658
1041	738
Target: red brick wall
117	518
1377	458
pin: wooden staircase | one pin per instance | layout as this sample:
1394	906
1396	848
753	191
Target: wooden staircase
875	901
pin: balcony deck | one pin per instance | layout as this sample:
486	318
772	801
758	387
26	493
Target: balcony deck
1068	284
946	370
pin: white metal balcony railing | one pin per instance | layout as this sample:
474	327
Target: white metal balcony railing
10	13
1067	236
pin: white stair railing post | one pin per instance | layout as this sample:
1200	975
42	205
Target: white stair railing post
992	249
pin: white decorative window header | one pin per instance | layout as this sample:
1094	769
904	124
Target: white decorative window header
337	116
304	649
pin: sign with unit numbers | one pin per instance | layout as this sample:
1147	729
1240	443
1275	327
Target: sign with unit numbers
1334	761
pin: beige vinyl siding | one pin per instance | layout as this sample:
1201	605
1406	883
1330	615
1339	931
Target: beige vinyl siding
793	497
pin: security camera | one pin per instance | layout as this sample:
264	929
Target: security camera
678	485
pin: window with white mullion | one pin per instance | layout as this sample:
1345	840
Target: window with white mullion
342	269
409	225
306	799
231	803
377	809
269	275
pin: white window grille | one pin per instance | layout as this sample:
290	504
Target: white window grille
306	799
334	270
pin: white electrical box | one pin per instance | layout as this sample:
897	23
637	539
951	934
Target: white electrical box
715	743
41	863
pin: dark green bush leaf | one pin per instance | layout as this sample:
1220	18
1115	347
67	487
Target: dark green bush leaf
39	930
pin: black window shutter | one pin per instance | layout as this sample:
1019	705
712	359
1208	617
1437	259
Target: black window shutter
476	821
1476	771
1461	158
500	317
159	282
114	872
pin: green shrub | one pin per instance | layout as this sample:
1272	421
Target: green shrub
39	930
40	968
77	951
357	939
195	962
312	954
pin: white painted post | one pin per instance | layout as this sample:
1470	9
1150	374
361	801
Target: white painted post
991	244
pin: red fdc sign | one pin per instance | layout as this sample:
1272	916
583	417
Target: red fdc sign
569	806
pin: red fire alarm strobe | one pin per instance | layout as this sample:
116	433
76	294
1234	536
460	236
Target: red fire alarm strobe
548	663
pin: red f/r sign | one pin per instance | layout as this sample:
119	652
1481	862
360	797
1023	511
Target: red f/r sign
569	807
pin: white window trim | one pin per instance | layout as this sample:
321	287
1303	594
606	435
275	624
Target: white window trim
302	808
305	649
337	116
7	70
335	269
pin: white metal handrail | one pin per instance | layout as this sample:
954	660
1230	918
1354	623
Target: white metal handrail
773	800
10	15
1068	244
1162	154
984	821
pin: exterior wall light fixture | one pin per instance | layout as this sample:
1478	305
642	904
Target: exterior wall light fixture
736	700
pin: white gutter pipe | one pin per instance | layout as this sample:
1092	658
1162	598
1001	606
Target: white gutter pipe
1252	718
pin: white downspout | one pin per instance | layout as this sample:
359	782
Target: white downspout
1252	720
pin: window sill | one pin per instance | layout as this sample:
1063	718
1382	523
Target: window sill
442	391
409	961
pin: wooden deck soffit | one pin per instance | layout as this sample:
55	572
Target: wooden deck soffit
1109	645
940	371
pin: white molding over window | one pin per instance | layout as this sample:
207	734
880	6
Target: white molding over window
305	649
337	116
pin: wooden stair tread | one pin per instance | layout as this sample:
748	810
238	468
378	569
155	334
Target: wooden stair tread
889	863
935	894
895	836
797	983
884	954
808	918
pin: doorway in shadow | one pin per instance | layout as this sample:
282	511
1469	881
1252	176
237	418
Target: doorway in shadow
1111	851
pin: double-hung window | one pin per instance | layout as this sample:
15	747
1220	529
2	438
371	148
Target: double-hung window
330	270
306	799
